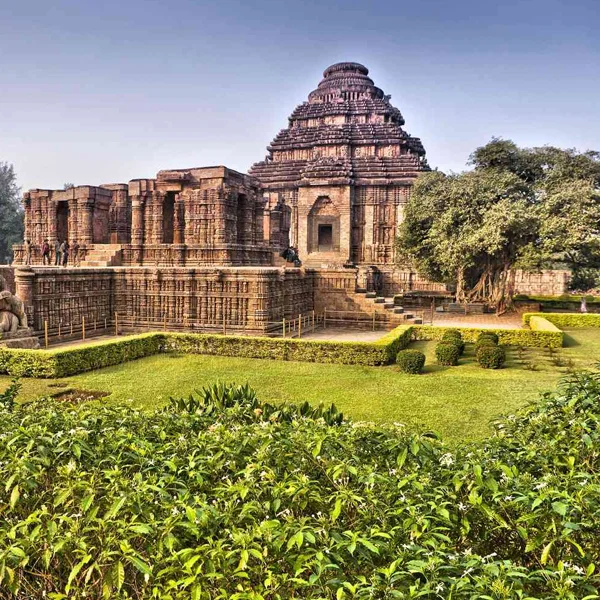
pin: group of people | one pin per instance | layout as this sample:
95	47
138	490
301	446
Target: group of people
63	251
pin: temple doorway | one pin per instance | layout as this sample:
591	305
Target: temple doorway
323	226
168	218
325	238
62	221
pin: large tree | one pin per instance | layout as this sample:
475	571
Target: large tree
528	208
11	214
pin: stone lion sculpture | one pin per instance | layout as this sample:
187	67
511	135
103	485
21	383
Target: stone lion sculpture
12	310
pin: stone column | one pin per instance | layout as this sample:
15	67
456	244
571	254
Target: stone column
157	225
137	220
178	220
51	208
86	219
137	228
24	278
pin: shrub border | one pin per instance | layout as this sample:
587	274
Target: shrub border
528	338
566	319
71	361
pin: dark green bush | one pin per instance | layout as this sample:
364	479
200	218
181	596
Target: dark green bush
488	335
453	336
447	354
410	361
491	357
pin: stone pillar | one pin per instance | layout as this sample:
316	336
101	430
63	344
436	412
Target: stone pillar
86	219
179	220
51	208
137	228
157	224
24	278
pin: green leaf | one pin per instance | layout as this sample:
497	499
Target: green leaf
139	564
546	553
560	508
14	496
118	575
337	509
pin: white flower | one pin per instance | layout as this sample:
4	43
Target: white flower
446	459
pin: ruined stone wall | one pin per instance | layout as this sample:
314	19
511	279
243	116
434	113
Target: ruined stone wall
544	283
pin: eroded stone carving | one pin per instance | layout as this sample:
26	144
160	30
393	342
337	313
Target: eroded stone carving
12	311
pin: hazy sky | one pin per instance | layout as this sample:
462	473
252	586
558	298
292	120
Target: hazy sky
99	91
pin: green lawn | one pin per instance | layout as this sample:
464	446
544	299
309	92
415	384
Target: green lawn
458	401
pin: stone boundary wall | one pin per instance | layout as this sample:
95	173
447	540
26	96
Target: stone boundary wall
211	299
8	273
542	283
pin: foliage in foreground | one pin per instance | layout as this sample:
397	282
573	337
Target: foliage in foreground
216	497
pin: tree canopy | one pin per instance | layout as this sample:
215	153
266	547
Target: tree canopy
11	214
527	208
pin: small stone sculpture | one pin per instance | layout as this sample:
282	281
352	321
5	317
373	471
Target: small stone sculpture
12	311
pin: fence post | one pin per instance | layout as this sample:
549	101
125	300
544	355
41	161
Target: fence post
116	323
165	323
283	326
224	325
299	326
83	328
313	320
325	318
59	327
46	332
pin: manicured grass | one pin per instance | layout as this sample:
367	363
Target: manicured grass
458	401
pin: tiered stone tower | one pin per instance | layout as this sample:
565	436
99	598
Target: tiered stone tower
344	166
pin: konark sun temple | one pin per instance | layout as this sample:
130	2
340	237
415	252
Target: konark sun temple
309	228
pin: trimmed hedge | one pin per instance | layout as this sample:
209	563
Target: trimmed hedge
410	361
491	357
565	319
70	361
447	354
78	359
506	337
490	335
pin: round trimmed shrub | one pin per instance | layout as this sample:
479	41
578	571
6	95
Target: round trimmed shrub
452	336
491	357
410	361
488	335
447	354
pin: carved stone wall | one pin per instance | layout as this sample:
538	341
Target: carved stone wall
245	300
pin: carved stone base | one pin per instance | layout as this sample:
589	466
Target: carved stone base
23	339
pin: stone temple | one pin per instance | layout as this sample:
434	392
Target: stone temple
201	248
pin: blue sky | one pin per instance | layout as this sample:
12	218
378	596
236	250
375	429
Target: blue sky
95	92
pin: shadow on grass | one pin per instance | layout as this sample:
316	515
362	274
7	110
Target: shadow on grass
569	341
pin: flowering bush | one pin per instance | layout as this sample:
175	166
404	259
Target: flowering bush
221	496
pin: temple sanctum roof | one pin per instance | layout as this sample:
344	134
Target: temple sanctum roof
347	131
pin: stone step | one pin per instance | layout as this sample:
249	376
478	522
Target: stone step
361	291
388	305
379	300
398	310
371	295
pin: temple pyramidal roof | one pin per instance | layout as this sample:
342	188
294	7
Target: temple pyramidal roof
347	132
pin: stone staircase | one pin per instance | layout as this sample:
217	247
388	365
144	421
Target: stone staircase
396	314
103	255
